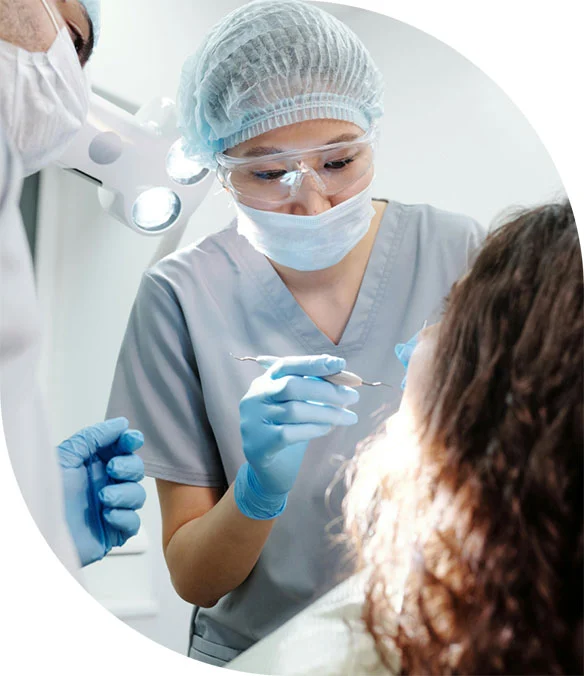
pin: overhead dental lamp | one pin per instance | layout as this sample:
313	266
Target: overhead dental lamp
144	178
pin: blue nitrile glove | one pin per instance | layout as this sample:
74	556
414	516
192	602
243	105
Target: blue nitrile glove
100	478
403	351
282	411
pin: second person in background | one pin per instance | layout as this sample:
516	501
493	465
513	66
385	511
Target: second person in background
282	100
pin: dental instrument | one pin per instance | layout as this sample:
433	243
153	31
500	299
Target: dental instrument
346	378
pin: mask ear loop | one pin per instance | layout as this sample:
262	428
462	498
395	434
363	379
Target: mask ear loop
50	13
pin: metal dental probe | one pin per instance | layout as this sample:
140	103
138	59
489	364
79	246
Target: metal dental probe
341	378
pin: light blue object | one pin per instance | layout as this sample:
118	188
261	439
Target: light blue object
271	63
312	242
283	410
100	478
404	351
93	8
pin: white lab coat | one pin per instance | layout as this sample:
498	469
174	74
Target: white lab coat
25	429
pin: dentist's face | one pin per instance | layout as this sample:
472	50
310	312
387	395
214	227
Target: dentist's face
309	200
79	26
26	24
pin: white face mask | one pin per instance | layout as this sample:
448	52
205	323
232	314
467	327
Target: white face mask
44	98
308	242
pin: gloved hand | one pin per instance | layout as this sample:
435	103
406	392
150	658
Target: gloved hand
404	351
100	474
282	411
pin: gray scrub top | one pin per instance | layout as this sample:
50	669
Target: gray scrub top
176	382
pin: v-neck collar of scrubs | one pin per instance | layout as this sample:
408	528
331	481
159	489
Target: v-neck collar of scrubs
372	290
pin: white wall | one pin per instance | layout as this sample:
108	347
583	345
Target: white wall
450	138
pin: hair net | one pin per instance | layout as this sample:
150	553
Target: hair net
93	8
268	64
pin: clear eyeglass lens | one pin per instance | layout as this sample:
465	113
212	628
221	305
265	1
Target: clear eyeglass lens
156	210
276	180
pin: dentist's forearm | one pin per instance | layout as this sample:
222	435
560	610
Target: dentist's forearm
213	554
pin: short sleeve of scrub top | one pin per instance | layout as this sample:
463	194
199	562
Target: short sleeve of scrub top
176	381
158	367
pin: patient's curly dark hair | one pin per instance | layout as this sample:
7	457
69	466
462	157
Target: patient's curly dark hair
496	585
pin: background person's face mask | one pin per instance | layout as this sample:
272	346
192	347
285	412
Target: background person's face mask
45	98
308	243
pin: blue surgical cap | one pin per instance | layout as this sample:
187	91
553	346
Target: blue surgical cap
93	8
272	63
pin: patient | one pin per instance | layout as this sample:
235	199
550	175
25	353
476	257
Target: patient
466	512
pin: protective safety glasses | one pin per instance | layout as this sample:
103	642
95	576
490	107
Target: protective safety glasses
275	179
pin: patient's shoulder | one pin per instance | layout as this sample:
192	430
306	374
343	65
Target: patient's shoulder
327	638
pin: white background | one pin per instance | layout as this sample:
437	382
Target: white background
451	139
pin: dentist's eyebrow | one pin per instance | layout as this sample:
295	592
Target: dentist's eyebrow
258	151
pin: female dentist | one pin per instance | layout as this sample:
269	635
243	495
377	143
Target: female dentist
282	101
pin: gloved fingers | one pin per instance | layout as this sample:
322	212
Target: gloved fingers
126	468
124	520
107	432
90	439
128	495
128	442
316	365
404	351
294	388
73	452
294	434
302	412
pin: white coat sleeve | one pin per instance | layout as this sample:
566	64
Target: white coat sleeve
33	459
